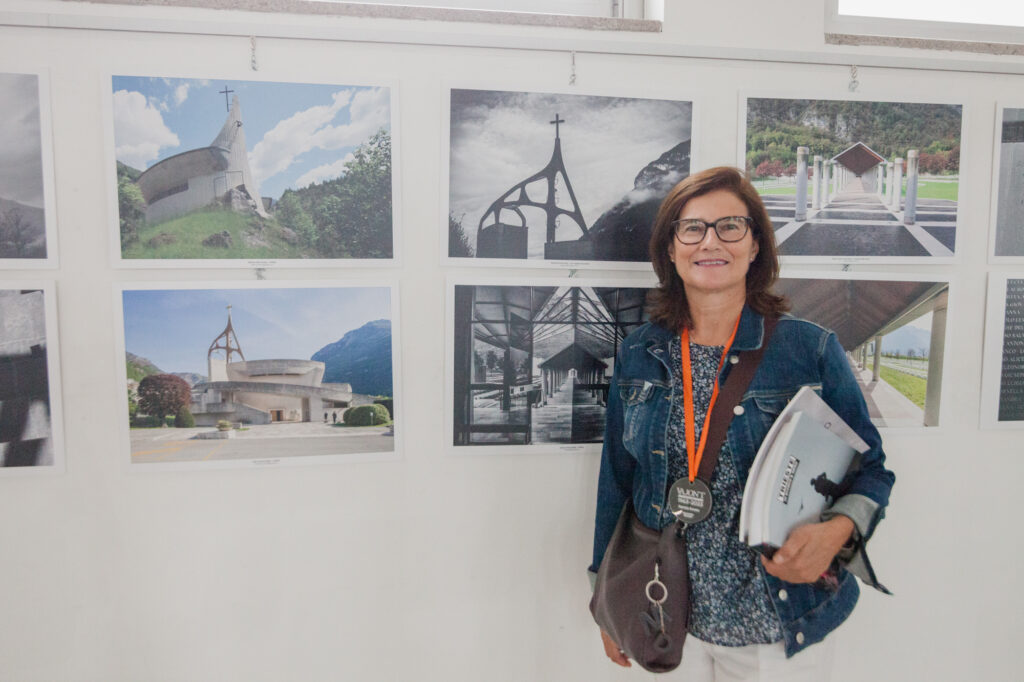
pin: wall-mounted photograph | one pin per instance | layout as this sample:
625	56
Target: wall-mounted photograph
550	180
855	181
234	172
1002	388
1008	190
894	334
530	366
27	213
30	405
266	374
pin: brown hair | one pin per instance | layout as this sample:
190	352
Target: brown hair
667	305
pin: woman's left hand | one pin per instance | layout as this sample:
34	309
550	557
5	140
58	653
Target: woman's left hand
809	550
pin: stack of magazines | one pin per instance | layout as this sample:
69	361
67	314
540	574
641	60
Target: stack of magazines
798	471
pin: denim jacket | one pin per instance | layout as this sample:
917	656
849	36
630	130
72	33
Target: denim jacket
634	464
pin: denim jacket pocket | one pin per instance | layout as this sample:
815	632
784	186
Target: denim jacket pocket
637	406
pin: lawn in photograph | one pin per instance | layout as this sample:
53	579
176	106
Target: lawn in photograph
893	332
23	188
531	365
258	374
247	170
875	179
542	178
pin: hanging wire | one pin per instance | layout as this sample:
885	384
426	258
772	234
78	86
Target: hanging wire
854	83
572	70
252	53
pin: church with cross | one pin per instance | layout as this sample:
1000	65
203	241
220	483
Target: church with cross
215	175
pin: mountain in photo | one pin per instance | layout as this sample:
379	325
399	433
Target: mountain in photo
22	230
623	231
907	339
361	358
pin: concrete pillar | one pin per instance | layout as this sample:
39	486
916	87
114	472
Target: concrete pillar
884	187
816	183
897	184
910	212
936	351
827	189
876	360
888	186
801	183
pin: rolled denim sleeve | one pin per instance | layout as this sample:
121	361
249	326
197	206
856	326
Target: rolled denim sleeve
615	481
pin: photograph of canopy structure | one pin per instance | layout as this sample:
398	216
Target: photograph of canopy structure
531	365
224	174
856	180
545	179
30	416
894	334
27	207
1002	387
1008	208
262	373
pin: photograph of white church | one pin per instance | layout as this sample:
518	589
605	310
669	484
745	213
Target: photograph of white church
236	171
849	180
258	373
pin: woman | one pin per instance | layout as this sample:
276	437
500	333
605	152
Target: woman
714	252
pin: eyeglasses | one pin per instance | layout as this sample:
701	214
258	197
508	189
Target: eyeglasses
729	229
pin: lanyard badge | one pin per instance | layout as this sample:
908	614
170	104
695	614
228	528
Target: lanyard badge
689	499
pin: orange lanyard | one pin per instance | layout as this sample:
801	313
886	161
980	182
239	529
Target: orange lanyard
694	453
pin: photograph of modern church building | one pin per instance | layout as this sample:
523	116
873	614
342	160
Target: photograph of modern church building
544	179
857	180
258	374
26	204
245	170
531	365
30	419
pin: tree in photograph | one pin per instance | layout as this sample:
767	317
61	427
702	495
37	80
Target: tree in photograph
458	243
163	394
15	234
132	210
290	214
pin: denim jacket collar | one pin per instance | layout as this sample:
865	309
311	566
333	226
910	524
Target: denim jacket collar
749	335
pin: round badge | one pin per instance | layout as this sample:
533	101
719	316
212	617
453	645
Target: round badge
689	502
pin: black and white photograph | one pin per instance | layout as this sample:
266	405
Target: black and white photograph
893	331
30	414
266	374
1008	175
27	220
234	172
856	181
546	180
531	365
1002	389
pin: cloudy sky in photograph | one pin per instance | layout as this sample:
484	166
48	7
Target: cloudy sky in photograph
21	159
173	328
296	133
498	139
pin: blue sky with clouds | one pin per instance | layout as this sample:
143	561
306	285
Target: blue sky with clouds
296	133
173	328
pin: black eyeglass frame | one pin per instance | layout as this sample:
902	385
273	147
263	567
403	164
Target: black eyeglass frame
745	219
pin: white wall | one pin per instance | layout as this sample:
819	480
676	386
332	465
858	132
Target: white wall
441	566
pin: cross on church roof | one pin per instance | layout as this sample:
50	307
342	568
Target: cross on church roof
555	123
227	104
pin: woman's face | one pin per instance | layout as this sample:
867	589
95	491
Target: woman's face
713	266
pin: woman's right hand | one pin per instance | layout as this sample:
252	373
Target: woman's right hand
612	650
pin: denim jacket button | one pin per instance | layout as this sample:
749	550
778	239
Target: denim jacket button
799	638
734	359
738	410
783	595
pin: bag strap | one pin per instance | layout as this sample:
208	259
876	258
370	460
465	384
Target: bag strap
730	393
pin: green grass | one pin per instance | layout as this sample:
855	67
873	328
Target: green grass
910	386
936	190
190	231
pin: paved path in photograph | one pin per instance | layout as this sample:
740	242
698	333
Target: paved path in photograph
270	441
856	223
886	405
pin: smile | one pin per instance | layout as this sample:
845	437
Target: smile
716	261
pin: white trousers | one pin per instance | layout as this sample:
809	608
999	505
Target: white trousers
703	662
